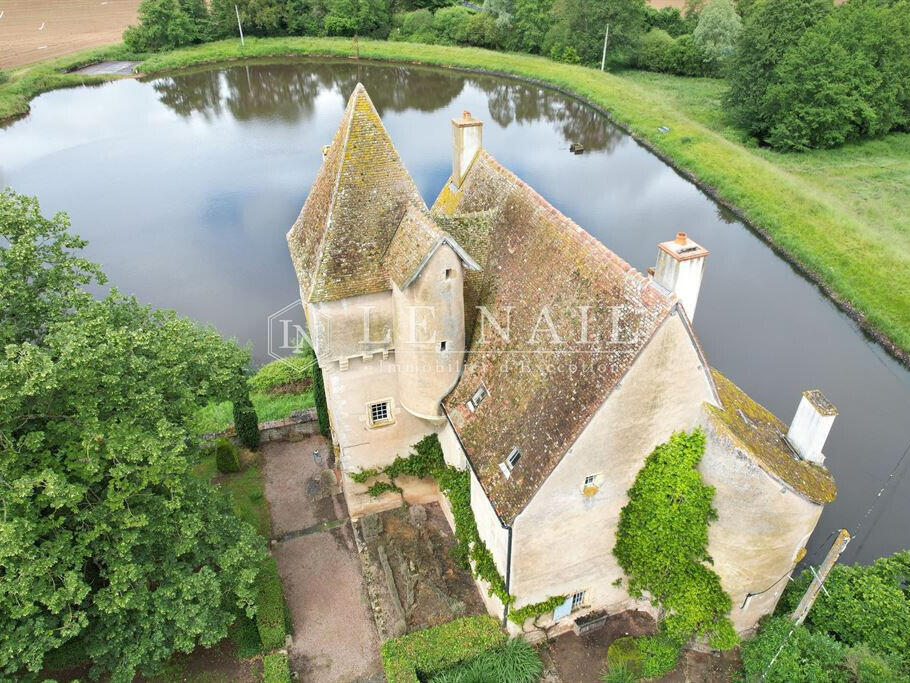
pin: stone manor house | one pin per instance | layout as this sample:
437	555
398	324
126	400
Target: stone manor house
548	367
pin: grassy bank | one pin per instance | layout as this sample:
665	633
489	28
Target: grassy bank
216	417
839	214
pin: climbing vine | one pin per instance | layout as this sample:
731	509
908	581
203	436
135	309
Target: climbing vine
662	545
426	460
520	616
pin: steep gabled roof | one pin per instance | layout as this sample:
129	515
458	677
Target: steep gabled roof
360	195
540	398
414	243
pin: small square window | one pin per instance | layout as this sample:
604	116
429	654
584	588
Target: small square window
442	345
379	412
449	273
589	480
578	600
514	457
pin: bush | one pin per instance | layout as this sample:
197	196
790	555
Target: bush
280	373
451	24
866	666
688	59
227	459
271	613
4	77
276	668
619	674
652	52
514	662
167	24
624	654
805	656
246	423
418	25
668	19
432	650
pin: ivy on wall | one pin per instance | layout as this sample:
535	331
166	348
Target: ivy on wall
662	545
426	460
521	615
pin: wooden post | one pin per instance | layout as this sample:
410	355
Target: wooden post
240	28
603	58
817	585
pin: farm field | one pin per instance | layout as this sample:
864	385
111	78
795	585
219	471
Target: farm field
34	30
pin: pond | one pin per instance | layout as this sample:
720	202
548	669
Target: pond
185	187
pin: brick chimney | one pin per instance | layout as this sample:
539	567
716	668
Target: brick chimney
809	430
679	269
467	139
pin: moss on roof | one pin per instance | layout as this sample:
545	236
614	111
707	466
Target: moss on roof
762	436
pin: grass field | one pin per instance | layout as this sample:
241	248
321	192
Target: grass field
841	215
33	30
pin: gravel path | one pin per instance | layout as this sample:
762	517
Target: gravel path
335	638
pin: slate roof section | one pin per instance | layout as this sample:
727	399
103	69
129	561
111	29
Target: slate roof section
416	240
541	396
360	195
762	436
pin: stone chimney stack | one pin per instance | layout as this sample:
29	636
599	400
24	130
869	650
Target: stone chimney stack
809	430
467	139
679	269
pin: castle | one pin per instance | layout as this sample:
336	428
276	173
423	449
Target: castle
547	366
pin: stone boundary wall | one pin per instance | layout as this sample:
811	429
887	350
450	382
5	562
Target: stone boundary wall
299	425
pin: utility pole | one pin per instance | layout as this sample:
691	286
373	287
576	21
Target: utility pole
603	58
817	585
240	28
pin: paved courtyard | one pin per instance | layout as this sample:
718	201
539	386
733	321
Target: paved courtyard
335	637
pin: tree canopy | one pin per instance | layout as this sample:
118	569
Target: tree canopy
108	543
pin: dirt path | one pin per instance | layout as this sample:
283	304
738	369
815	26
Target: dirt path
335	638
33	30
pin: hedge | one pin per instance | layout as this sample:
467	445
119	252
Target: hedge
276	668
434	649
271	612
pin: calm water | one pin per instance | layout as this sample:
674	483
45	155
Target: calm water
186	187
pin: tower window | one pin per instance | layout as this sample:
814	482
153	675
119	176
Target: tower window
380	412
449	273
589	480
442	345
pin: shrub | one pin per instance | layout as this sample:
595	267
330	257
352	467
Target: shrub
451	24
282	372
258	17
668	19
686	58
246	423
432	650
418	25
866	666
718	30
276	668
619	674
271	613
514	662
624	654
322	407
652	51
227	459
4	77
805	656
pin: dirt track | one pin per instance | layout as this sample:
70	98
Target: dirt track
68	26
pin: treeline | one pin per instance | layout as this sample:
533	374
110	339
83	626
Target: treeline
803	73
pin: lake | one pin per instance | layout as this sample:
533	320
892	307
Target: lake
185	187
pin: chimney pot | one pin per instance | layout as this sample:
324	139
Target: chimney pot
680	267
810	427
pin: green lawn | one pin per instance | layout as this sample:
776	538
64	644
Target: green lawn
216	417
841	214
246	489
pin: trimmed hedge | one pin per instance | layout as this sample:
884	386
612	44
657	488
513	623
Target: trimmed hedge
271	613
227	459
322	408
246	422
276	668
438	648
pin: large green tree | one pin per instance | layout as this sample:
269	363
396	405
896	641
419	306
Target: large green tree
581	24
771	28
108	543
168	24
718	30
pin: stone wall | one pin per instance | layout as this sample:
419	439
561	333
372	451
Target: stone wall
299	425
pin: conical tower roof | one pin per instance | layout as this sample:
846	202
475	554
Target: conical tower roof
358	199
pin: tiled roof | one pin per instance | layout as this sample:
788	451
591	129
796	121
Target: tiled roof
358	199
760	435
541	396
416	240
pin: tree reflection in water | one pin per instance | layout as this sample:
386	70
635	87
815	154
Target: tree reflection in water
287	92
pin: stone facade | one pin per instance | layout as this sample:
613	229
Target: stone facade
547	366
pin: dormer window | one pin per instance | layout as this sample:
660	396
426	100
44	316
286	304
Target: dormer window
514	457
477	398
